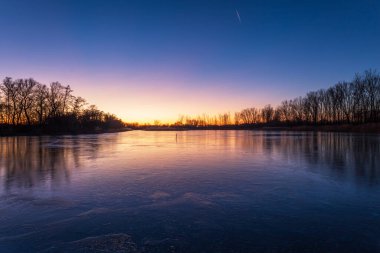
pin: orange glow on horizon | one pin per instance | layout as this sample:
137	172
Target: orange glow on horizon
144	99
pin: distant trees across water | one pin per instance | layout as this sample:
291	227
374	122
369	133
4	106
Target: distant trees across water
355	102
29	106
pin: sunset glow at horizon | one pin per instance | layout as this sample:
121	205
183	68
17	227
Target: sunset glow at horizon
151	60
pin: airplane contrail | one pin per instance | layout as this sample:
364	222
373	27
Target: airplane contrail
238	15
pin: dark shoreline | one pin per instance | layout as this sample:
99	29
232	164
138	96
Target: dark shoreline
372	128
39	132
344	128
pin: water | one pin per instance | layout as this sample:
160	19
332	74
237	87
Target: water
202	191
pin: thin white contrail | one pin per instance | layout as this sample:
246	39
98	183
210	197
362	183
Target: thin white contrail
238	15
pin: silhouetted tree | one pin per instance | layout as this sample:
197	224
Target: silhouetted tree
27	103
355	102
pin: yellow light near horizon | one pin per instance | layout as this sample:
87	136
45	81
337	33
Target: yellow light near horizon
144	99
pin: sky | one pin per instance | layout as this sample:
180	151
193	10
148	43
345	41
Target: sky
155	60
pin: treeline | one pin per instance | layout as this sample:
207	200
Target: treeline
29	106
355	102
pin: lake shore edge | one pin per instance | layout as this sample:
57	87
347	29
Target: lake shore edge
344	128
40	132
371	128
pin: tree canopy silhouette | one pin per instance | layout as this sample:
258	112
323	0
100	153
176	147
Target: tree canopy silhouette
29	106
355	102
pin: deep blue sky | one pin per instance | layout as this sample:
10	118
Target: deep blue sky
155	59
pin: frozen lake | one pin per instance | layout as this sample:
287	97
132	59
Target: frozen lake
191	191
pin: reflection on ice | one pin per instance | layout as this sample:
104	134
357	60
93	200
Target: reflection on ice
29	161
204	191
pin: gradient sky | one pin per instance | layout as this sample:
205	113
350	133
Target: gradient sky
146	60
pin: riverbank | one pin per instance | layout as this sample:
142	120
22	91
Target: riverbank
365	128
41	132
357	128
346	128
